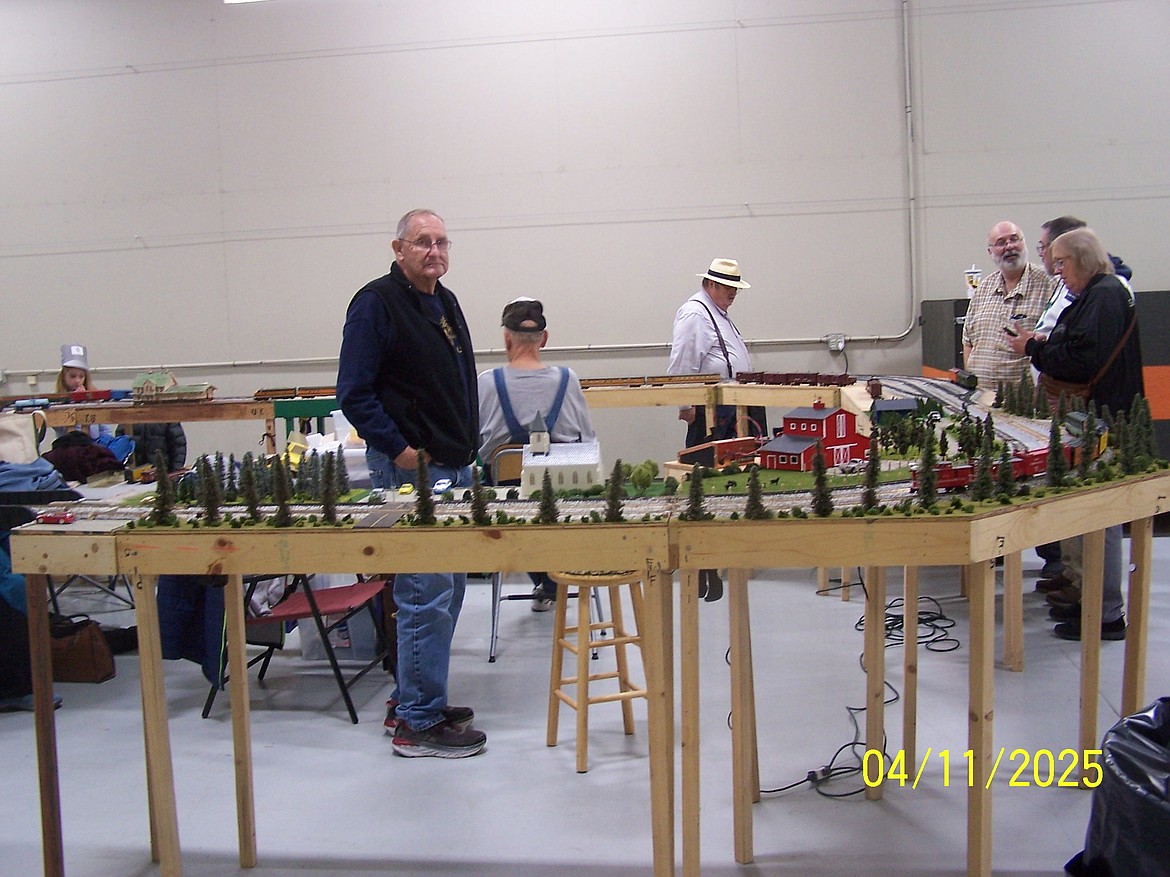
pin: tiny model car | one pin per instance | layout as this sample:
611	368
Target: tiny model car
850	467
441	486
406	489
377	496
55	518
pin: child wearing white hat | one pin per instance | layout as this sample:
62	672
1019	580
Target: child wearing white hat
74	375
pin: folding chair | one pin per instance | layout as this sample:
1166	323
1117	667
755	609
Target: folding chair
301	601
505	467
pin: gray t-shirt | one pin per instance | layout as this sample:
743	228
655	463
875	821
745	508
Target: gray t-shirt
531	391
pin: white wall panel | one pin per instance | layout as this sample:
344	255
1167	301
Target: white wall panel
212	183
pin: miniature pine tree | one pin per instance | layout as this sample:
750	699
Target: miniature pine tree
1028	393
873	468
301	490
1127	459
184	492
342	473
1151	438
209	494
265	469
984	485
163	514
249	490
1011	404
754	509
944	445
1005	478
424	503
1089	441
281	494
1042	409
230	491
615	494
694	510
479	500
1057	466
1147	443
549	513
999	394
927	475
220	470
822	498
328	486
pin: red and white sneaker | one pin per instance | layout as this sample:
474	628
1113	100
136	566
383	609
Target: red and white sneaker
460	717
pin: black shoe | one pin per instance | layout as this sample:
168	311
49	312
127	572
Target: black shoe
1056	583
1065	613
459	716
714	588
443	740
1066	596
1113	631
1051	569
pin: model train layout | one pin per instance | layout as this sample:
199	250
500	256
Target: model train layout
796	379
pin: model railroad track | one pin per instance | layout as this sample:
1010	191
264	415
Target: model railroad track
633	509
650	381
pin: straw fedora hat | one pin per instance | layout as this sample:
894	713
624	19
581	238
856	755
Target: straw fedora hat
725	271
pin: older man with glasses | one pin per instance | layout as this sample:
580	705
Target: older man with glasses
406	381
1016	291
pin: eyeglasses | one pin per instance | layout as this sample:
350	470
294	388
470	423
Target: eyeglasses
442	245
1058	264
1003	242
1040	248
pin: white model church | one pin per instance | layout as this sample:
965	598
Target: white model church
571	465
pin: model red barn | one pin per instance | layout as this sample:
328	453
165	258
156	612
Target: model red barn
834	428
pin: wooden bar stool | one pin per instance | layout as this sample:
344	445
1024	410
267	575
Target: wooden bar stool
583	638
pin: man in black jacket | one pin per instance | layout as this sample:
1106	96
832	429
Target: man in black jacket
406	382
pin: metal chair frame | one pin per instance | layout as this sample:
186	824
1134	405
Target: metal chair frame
300	601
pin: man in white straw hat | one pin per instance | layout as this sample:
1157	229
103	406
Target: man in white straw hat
705	341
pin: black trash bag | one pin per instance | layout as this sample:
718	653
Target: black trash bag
1129	823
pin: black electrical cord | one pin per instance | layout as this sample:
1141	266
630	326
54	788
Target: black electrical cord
937	625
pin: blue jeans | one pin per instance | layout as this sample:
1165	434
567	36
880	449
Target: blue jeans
428	609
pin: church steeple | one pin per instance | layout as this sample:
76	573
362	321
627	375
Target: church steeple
538	438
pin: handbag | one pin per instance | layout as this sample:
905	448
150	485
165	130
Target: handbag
80	650
1055	388
20	436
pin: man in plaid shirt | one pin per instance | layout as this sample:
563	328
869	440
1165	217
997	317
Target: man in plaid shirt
1016	292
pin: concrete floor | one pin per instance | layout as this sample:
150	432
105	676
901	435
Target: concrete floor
332	798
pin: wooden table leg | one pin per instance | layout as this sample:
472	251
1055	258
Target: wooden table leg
45	723
824	582
875	665
658	662
980	578
910	667
846	582
160	778
1133	684
689	690
1013	611
1092	578
233	599
744	756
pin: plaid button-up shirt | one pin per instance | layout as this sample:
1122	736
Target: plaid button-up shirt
992	308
